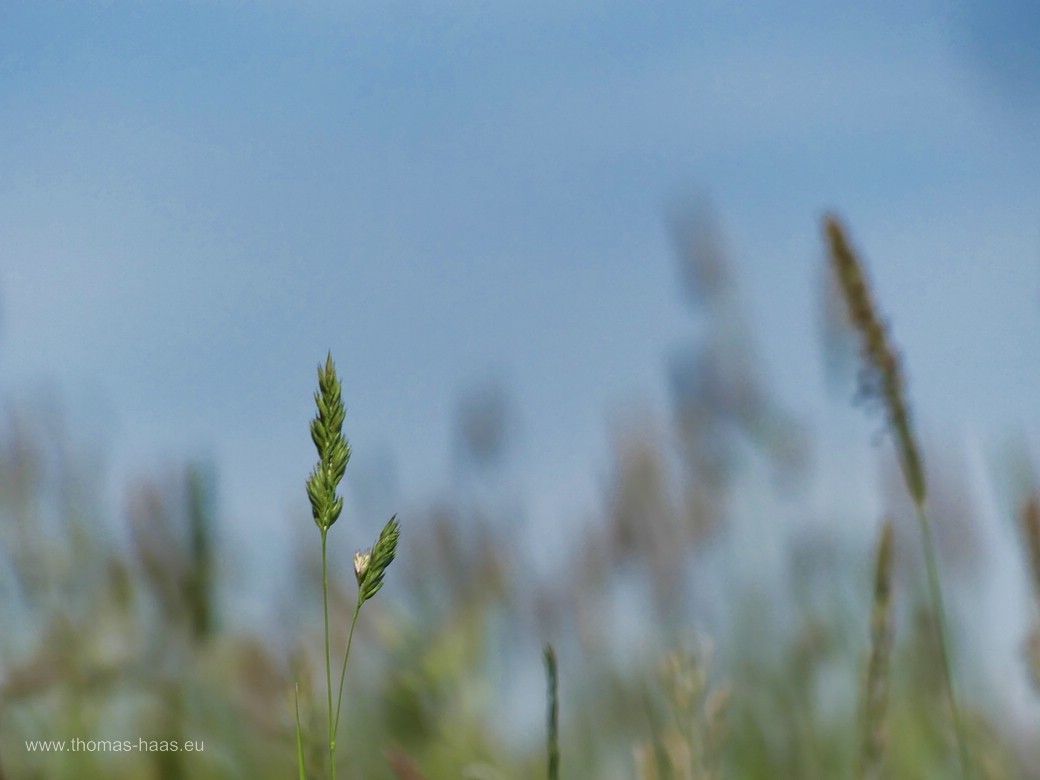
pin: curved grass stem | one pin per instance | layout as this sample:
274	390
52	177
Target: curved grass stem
343	671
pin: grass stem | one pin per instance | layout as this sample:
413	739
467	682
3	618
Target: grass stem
875	690
553	714
942	633
343	671
328	662
300	763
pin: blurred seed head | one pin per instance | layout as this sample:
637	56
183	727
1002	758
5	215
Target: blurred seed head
484	424
704	268
882	375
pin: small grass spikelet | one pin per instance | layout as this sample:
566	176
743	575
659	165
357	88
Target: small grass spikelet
361	561
331	444
370	572
369	568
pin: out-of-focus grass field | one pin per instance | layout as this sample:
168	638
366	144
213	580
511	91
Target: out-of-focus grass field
115	625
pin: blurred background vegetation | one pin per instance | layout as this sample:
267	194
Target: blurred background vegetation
567	260
702	630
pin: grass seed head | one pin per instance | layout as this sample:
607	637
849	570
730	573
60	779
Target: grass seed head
331	444
882	375
383	552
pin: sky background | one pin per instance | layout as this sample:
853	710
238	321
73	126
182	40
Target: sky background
197	200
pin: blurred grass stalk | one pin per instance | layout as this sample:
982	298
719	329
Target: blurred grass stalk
883	377
875	691
1030	521
552	715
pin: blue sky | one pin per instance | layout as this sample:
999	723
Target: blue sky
197	200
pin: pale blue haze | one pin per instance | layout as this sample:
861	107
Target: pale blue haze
197	200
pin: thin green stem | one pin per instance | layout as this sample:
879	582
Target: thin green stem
328	662
935	591
300	764
343	672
